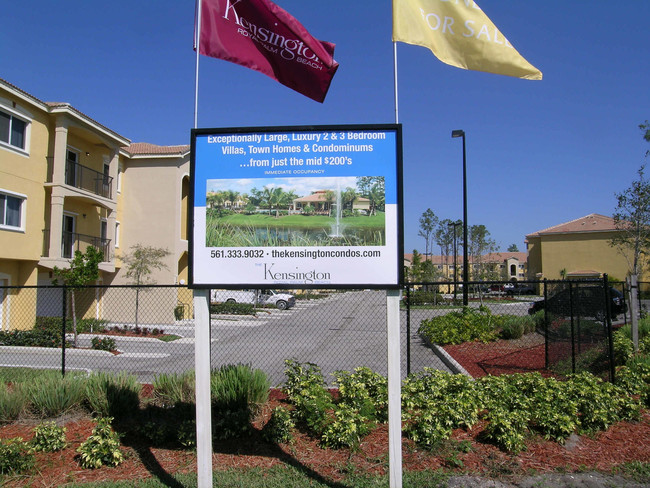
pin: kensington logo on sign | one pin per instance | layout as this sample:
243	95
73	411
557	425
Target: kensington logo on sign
307	277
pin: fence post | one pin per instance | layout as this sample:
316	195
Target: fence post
573	333
608	324
545	324
634	320
63	323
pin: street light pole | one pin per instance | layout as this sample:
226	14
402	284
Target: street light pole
454	225
461	133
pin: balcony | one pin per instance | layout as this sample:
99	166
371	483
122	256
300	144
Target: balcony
71	242
88	179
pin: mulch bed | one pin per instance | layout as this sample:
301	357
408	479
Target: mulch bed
622	443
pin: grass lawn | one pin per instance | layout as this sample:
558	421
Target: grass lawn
300	221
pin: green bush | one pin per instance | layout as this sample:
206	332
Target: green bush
365	391
31	338
103	344
48	437
15	456
279	427
173	389
187	434
461	326
346	428
52	394
179	312
306	390
232	308
102	447
112	395
422	298
237	391
512	327
506	429
53	324
434	403
12	402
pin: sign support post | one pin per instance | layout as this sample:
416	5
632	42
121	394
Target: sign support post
394	389
202	388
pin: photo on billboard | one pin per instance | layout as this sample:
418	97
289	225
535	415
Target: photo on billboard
292	206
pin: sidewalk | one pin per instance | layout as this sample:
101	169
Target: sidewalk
571	480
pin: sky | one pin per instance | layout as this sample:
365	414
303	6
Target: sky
539	153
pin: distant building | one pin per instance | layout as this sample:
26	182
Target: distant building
576	249
321	201
504	266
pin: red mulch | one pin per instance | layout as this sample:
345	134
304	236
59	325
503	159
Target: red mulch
500	357
622	443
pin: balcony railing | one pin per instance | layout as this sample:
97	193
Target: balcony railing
71	242
88	179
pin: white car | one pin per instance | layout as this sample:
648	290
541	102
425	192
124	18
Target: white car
282	301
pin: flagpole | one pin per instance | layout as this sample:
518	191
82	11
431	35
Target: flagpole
197	40
395	81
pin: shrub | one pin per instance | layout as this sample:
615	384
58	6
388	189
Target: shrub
31	338
15	456
12	402
422	298
436	402
48	437
512	327
179	312
112	395
306	390
104	343
237	391
238	386
278	428
51	394
507	429
102	447
173	389
346	428
365	391
187	434
53	324
461	326
232	308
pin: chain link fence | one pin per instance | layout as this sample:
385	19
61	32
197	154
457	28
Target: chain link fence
149	330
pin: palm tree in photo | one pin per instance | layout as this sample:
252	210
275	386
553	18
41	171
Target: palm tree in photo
330	196
348	196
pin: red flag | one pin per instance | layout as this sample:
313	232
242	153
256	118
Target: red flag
262	36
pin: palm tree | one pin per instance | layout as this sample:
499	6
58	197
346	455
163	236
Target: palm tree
231	196
348	196
330	196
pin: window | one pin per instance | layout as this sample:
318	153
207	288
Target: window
13	131
11	210
117	234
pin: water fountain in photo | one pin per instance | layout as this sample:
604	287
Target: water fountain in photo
337	227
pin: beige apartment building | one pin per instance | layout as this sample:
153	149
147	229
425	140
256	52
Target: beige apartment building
578	249
68	182
503	266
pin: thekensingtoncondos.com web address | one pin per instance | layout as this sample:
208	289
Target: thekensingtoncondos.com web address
320	253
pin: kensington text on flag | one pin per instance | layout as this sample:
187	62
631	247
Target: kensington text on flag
262	36
460	34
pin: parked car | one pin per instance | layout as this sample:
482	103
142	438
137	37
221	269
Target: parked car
521	289
587	301
283	301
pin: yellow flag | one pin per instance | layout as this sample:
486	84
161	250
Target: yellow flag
459	34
